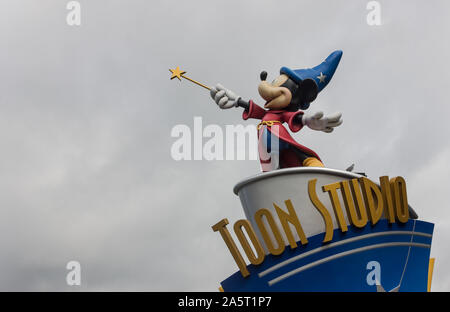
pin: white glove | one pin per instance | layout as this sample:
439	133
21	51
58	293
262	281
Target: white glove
318	122
223	97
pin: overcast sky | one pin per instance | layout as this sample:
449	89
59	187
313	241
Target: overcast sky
86	114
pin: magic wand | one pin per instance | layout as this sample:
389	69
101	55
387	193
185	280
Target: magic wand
178	73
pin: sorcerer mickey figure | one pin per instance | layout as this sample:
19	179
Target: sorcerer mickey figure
286	98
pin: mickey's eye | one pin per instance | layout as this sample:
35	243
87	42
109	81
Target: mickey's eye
276	81
279	80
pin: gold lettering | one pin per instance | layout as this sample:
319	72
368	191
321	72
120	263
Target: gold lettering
398	186
387	199
276	232
260	254
375	207
221	226
332	191
356	212
322	210
291	217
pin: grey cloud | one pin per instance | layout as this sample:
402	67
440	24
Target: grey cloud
86	114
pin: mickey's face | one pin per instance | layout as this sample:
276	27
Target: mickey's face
277	96
286	94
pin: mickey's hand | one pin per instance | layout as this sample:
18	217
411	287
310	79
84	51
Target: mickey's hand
223	97
319	122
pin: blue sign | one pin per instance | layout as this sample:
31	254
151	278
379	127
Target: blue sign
382	257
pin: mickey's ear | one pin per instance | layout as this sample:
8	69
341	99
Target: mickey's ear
308	89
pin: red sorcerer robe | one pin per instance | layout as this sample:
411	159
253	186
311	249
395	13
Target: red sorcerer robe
288	158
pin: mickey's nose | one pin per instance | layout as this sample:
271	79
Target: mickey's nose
263	75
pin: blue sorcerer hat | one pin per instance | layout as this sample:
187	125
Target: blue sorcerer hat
321	74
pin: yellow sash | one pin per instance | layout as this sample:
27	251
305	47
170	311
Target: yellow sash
267	123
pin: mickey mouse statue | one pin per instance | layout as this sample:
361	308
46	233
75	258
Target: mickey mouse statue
291	91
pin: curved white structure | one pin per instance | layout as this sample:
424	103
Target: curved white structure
265	189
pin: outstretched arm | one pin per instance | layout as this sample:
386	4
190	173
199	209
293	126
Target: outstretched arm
319	122
226	99
244	104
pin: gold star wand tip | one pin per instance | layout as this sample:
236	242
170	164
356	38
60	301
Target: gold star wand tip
178	73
